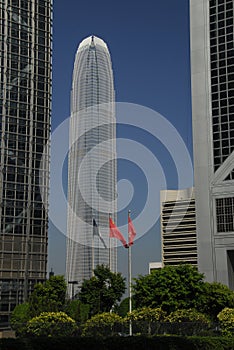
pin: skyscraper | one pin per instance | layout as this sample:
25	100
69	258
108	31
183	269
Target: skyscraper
25	108
212	69
92	162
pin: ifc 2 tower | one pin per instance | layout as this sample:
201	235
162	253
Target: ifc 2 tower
92	162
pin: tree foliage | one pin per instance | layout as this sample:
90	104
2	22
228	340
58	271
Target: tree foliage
77	310
215	298
19	318
51	324
123	308
172	287
104	324
102	291
48	296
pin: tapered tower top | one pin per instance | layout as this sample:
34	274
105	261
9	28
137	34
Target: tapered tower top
92	41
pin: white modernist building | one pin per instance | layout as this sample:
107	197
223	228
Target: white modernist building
178	227
212	70
92	162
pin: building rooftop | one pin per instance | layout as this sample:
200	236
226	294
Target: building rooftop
92	40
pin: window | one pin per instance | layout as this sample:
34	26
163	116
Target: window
224	214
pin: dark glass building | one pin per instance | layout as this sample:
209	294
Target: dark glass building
25	109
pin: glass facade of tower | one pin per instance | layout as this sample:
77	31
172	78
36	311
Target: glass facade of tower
25	110
92	161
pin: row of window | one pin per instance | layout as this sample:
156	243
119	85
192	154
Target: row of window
41	59
222	25
220	15
221	8
27	115
15	218
21	50
222	95
40	230
25	41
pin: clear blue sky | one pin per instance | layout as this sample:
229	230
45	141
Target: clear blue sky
149	46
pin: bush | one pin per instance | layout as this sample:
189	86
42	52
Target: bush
226	321
187	322
146	320
51	324
189	315
103	325
116	343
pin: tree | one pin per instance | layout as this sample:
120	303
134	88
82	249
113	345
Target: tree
104	324
49	296
19	318
103	290
77	310
172	287
215	298
51	324
123	308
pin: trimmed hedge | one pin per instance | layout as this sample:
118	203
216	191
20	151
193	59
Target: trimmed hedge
123	343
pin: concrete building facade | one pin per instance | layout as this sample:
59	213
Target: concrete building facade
178	227
212	78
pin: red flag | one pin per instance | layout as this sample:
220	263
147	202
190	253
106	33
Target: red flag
115	233
131	231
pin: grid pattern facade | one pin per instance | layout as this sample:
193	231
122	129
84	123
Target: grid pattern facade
92	161
212	68
222	79
225	214
178	228
25	108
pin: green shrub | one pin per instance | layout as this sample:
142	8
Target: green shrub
123	343
104	324
147	314
187	322
226	320
51	324
187	315
146	320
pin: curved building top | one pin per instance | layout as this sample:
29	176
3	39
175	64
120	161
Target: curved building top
92	41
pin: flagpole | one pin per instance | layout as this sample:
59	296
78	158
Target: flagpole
130	278
109	245
93	251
